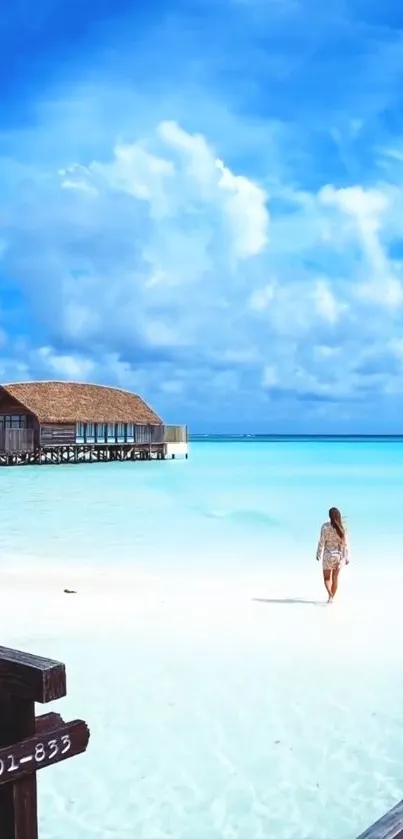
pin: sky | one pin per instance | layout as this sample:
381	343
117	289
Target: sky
202	202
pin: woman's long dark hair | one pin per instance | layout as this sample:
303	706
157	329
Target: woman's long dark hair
336	522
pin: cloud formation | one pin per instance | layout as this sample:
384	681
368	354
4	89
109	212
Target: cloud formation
225	236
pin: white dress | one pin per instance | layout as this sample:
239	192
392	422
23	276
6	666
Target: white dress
332	550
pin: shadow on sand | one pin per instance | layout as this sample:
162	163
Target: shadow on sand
287	601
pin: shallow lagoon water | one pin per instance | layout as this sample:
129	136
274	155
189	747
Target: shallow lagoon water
224	698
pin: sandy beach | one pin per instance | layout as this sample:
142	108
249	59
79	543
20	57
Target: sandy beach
80	599
215	703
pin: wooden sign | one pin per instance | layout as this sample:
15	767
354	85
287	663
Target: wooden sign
28	743
66	741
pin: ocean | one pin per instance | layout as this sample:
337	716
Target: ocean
233	506
225	699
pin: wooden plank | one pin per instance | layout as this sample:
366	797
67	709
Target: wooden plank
157	433
18	801
146	434
28	756
16	440
142	434
31	677
57	434
47	722
390	826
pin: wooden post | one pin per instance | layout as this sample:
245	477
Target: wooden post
28	744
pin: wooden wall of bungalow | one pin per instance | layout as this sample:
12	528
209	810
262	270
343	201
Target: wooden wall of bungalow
20	423
57	434
46	435
116	433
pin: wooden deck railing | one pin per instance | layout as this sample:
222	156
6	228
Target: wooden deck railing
176	434
390	826
27	743
149	434
14	440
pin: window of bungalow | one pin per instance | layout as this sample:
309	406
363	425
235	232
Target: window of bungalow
121	429
91	429
111	429
18	422
13	421
80	429
101	428
130	429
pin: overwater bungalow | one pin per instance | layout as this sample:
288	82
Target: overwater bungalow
71	422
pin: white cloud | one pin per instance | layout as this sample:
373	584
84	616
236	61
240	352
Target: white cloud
198	160
67	366
245	206
153	284
175	189
160	334
139	173
170	215
323	351
243	203
82	186
77	178
367	209
358	202
325	302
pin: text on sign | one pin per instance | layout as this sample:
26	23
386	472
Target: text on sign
47	750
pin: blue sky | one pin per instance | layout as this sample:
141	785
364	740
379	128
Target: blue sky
202	202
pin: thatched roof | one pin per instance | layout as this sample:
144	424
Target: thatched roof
71	402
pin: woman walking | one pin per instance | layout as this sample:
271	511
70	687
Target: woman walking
333	551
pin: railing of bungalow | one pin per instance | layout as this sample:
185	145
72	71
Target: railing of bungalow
390	826
14	440
149	434
176	434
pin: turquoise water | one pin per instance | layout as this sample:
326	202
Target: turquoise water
255	720
238	505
